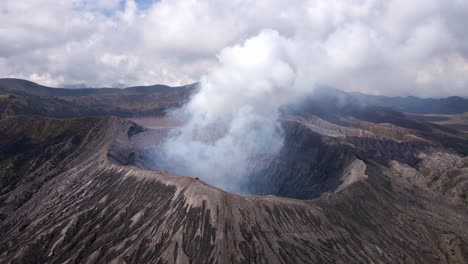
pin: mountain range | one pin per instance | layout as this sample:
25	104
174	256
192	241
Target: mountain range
360	179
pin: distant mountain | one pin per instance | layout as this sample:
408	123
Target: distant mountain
24	97
411	104
21	97
24	87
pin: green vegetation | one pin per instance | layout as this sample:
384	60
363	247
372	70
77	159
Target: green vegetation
425	171
465	197
457	122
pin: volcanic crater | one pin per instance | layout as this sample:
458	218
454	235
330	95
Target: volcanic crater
369	185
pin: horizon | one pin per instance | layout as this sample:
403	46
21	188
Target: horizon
195	83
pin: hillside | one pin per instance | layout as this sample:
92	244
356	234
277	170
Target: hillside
20	97
395	195
353	183
411	104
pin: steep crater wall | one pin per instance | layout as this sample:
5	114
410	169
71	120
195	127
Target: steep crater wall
307	166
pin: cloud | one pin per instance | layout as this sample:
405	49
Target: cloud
233	118
382	47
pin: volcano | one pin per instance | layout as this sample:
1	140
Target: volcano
359	179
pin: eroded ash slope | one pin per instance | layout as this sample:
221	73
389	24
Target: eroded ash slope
67	200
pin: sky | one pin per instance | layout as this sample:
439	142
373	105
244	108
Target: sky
394	47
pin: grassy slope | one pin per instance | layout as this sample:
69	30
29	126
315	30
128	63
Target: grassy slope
456	121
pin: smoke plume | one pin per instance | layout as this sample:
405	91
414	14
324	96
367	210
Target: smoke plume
233	118
377	47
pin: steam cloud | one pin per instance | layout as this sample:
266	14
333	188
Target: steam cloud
233	118
364	46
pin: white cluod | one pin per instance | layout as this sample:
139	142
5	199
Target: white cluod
233	119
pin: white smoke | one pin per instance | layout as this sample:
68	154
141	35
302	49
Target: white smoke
233	118
378	47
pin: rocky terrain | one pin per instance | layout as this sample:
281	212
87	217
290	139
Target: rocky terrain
352	184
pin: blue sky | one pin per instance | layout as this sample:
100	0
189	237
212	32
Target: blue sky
144	4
